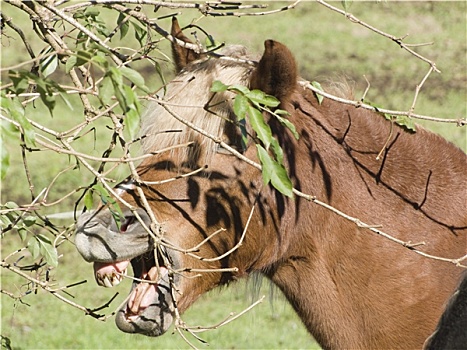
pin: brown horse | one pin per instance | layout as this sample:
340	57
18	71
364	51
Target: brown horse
451	332
351	287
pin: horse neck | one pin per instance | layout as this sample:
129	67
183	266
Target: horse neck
333	274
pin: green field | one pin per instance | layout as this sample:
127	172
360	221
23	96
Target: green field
326	46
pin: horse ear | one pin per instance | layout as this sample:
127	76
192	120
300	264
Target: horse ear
276	73
181	55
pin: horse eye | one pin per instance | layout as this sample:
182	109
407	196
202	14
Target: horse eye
128	221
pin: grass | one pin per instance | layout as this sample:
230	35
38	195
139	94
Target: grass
50	324
326	45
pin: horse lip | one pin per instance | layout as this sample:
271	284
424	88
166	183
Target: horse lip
153	319
98	239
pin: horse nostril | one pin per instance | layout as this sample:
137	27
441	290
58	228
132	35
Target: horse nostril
128	221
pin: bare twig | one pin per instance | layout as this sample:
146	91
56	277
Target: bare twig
307	85
417	91
45	286
398	40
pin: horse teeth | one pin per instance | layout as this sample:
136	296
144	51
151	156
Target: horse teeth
99	280
107	282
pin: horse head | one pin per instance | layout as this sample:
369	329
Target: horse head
202	217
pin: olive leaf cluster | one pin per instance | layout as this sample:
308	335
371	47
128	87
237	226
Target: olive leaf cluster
249	106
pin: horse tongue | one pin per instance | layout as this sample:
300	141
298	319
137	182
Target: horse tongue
110	274
144	294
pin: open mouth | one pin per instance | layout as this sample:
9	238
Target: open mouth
150	285
150	307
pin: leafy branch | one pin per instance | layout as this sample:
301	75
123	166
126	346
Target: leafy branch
249	104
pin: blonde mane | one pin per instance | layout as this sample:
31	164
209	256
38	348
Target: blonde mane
189	97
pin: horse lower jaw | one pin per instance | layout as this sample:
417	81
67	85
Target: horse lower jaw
146	323
152	320
149	308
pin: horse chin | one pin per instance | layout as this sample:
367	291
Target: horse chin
152	320
151	325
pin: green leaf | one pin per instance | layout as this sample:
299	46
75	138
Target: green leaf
40	245
5	161
8	129
240	106
211	42
16	111
47	250
140	33
218	86
70	63
100	60
29	220
102	28
132	115
106	90
5	221
258	96
346	4
377	108
263	131
34	247
135	77
19	80
83	57
49	64
106	199
277	150
11	205
319	87
91	11
88	200
160	73
96	46
78	14
288	124
266	162
103	193
244	133
124	26
132	121
119	90
239	89
406	122
78	59
401	120
281	112
274	172
22	233
46	94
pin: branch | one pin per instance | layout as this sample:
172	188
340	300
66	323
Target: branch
117	57
360	104
55	292
211	8
397	40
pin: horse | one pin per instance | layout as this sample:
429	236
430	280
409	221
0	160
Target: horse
451	332
219	221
